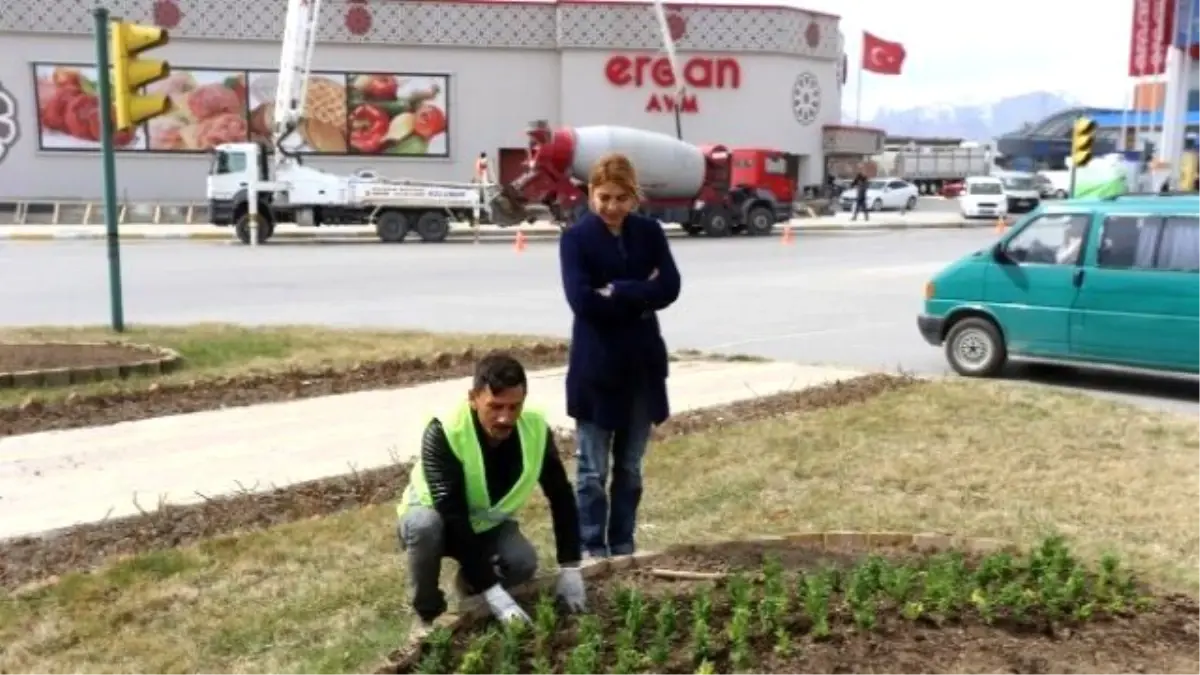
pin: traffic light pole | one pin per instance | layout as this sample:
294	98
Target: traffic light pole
1071	188
108	157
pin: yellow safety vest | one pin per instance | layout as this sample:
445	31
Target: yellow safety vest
459	427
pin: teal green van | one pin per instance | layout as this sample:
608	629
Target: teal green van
1106	282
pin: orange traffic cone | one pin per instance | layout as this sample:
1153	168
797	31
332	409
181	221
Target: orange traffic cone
1001	225
787	235
519	243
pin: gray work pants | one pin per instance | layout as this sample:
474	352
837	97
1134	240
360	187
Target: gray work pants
422	537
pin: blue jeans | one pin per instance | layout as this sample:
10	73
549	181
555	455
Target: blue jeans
608	517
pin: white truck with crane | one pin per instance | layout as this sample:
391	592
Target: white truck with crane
253	192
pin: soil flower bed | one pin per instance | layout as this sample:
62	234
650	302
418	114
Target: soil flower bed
1044	611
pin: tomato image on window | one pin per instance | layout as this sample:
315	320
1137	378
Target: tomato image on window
398	114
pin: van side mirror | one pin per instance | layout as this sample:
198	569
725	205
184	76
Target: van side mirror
1000	255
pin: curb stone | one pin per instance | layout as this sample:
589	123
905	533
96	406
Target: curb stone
836	541
166	361
333	234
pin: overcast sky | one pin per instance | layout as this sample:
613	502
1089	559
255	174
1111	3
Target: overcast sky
978	51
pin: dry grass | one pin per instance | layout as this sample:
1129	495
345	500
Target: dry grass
328	595
214	350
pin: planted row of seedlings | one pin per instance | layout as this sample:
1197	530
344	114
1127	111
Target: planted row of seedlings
736	624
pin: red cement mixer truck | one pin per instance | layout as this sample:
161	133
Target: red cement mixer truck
710	189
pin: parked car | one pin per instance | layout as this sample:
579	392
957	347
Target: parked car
1107	283
983	197
884	194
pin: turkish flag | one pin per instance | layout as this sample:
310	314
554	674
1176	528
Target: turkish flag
882	56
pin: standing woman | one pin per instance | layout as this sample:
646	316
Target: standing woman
617	272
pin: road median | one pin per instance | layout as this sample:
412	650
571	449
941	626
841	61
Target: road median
308	578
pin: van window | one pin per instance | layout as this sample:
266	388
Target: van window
1128	242
1050	239
1179	246
1017	182
986	189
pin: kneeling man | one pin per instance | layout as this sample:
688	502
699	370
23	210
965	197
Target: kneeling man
473	475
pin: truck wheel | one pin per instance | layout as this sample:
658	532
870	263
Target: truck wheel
265	228
717	223
433	227
391	226
975	347
760	221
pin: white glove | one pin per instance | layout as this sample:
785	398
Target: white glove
503	606
570	589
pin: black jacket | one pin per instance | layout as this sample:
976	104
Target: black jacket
860	186
503	464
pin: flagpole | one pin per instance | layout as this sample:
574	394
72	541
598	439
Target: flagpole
1186	94
1162	39
858	97
1129	99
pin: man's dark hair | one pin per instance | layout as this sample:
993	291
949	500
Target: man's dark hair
483	154
499	371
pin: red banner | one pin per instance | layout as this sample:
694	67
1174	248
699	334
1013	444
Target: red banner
1152	26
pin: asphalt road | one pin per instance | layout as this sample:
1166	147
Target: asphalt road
839	299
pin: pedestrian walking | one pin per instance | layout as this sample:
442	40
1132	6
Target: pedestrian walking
859	185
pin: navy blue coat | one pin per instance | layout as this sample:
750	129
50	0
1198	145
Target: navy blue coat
616	342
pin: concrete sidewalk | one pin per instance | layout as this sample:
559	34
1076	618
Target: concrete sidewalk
56	479
289	232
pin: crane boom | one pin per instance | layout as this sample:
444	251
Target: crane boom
295	65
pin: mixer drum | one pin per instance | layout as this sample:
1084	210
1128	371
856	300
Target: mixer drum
667	167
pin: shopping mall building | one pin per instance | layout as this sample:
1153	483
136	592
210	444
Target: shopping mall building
417	89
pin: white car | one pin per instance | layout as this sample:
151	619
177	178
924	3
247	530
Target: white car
883	194
983	197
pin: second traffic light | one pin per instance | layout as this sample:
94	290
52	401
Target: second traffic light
130	74
1083	138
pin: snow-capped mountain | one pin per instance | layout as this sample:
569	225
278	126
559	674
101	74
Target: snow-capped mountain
976	122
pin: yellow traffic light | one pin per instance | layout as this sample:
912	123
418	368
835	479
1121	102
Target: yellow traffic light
1083	137
130	74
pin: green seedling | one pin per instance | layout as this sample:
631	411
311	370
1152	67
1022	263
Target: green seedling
774	602
475	659
540	665
545	618
665	625
509	655
437	656
817	591
739	639
783	643
701	645
584	659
